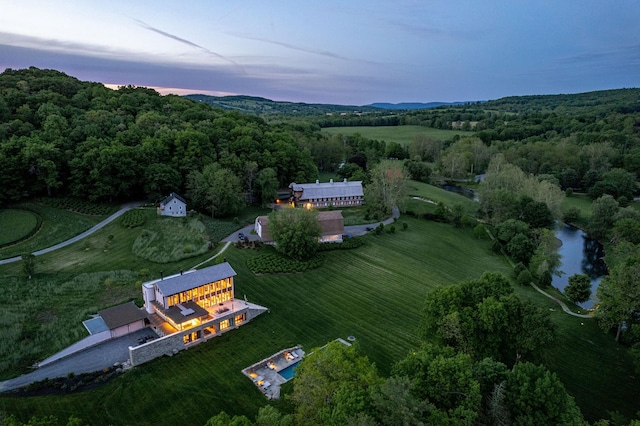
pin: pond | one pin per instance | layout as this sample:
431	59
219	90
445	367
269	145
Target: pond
580	254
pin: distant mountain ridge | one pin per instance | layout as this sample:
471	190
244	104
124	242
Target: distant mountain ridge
263	106
414	105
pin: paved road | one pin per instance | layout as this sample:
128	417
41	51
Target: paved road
95	358
123	209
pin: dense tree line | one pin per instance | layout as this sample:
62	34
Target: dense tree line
61	136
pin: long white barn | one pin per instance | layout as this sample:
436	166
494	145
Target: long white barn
318	195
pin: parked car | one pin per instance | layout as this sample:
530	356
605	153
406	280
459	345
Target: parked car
369	228
345	236
240	236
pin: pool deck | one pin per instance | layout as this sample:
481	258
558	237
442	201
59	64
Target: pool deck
264	373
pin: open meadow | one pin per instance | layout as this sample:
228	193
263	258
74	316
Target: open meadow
399	134
374	293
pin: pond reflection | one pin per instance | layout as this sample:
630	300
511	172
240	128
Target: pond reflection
580	254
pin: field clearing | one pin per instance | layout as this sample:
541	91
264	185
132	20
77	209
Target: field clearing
16	224
399	134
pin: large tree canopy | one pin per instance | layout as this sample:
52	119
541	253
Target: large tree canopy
619	295
483	318
295	231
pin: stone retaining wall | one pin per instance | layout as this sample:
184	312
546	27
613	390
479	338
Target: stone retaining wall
167	345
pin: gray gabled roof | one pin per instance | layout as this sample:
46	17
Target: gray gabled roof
171	197
328	189
187	281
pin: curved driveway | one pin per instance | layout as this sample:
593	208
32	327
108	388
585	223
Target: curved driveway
95	358
123	209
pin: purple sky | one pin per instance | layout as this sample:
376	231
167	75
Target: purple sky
339	52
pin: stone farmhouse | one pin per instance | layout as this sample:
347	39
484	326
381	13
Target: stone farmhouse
318	195
174	205
331	223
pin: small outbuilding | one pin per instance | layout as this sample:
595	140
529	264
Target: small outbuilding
123	319
174	205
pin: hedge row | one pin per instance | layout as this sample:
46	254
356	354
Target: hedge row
277	264
346	244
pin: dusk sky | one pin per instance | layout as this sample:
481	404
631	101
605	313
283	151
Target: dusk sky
342	52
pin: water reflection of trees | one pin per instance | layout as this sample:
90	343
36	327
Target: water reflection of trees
592	261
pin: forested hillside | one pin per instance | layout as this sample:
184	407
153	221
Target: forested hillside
61	136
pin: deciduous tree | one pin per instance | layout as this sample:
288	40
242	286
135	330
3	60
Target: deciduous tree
619	295
579	288
296	232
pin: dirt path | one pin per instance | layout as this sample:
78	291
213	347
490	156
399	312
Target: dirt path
226	246
561	303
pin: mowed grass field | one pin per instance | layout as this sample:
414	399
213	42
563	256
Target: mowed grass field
57	226
374	293
16	224
399	134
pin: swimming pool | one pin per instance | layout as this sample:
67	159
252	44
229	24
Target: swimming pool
289	372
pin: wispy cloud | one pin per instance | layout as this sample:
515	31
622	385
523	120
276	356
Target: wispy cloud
297	48
184	41
624	57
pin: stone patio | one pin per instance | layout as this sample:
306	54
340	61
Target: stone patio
264	374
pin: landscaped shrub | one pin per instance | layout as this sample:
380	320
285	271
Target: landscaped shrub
346	244
278	264
405	225
392	229
133	218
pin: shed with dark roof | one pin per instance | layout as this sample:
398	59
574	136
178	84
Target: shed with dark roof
123	319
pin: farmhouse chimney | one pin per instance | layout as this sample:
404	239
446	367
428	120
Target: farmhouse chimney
317	182
161	276
180	271
345	180
330	180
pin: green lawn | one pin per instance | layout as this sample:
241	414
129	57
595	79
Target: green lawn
57	226
16	224
374	293
399	134
436	194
